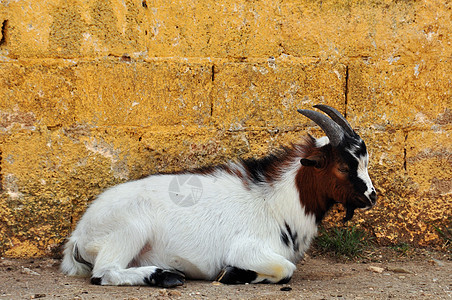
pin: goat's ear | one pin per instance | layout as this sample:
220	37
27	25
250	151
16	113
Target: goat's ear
315	162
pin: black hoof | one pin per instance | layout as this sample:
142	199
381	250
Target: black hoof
96	280
234	275
165	278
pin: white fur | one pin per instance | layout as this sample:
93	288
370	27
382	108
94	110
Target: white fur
135	227
320	142
363	173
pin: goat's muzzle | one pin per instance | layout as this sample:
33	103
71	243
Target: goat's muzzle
363	203
370	200
373	198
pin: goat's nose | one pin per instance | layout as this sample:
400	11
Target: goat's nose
373	197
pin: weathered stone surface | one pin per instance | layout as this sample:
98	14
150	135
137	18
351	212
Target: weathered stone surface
428	161
109	92
268	93
389	30
401	96
33	93
144	93
428	166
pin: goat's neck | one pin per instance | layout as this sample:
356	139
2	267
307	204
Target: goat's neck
312	193
283	196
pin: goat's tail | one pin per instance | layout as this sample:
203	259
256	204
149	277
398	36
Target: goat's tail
73	263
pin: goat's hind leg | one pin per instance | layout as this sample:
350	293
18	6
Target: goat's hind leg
254	265
235	275
112	261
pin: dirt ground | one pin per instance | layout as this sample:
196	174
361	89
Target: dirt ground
382	274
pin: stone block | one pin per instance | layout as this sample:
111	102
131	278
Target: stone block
37	93
108	92
144	93
400	96
390	30
268	93
429	162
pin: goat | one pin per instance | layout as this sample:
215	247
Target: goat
247	221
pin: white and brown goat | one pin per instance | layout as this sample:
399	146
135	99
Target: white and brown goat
249	222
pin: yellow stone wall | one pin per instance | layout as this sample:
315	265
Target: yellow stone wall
98	92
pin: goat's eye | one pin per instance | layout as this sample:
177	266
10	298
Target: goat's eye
343	170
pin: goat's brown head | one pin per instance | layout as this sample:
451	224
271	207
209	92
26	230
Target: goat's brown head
341	161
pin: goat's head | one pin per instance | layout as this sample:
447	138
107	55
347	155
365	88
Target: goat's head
341	163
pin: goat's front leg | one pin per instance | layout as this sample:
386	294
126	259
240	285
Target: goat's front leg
256	266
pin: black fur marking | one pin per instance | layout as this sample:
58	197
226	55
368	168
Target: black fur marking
263	169
361	151
284	280
96	280
258	167
293	237
284	238
234	275
349	212
165	278
289	231
355	144
258	171
210	169
296	246
80	259
358	183
352	162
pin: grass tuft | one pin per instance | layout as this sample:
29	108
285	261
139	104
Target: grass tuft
445	233
347	242
402	248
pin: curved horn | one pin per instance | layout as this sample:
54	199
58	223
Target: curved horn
332	130
337	117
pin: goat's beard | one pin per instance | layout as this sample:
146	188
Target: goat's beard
349	212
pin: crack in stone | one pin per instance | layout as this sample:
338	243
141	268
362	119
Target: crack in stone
4	32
